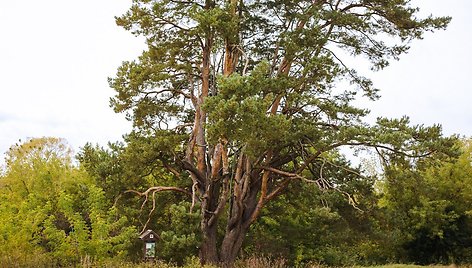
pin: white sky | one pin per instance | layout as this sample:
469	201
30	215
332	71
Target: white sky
56	55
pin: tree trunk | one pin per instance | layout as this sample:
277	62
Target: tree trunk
232	244
209	224
209	248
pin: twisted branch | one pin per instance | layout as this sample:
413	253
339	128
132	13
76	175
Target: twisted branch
153	191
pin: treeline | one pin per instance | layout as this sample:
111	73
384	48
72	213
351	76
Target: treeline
60	208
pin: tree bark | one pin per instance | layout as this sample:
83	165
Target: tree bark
209	247
232	244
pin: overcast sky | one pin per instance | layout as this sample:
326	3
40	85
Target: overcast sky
56	55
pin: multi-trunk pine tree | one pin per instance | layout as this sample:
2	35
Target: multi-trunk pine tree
242	96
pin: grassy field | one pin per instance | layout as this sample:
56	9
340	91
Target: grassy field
251	262
257	263
264	263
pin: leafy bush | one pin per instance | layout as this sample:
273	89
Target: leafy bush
53	212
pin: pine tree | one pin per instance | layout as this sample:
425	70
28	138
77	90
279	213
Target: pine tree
243	97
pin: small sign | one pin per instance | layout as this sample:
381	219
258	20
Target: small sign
149	238
150	250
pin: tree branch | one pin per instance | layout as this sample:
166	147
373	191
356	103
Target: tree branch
189	167
154	190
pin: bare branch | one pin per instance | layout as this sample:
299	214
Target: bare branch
188	166
283	173
188	2
171	169
321	183
246	59
279	189
153	191
397	151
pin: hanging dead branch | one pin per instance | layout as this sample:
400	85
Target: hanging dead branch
153	191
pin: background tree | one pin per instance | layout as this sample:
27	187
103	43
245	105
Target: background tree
242	96
122	167
312	225
428	206
51	208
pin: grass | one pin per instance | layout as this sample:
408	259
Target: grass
417	266
36	260
403	266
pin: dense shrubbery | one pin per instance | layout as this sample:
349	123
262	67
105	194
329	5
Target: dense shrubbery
54	211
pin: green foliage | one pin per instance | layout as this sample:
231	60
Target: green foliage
183	238
312	225
156	89
243	101
93	230
53	209
121	168
430	204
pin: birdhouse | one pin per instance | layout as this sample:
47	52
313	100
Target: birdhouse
149	238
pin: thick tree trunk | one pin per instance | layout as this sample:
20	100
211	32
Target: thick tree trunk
229	249
241	209
209	247
232	244
244	205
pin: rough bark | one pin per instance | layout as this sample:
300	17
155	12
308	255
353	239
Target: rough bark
208	249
